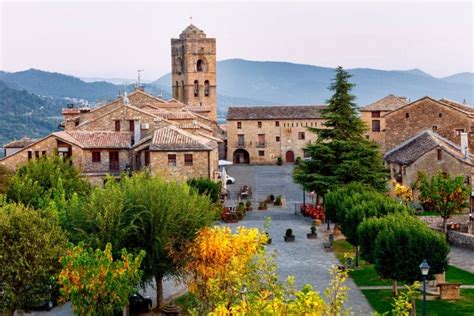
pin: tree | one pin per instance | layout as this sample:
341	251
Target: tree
42	180
5	176
30	244
341	153
207	187
231	274
444	194
402	246
142	213
95	283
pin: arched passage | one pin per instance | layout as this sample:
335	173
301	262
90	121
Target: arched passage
290	157
241	156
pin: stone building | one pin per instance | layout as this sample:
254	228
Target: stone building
261	134
430	153
135	131
445	117
16	145
193	71
374	116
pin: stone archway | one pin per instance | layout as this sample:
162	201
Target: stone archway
241	156
290	156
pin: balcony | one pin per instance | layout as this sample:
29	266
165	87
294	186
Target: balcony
240	144
261	144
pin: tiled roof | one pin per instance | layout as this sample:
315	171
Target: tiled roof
96	139
70	111
23	142
410	150
192	32
460	106
172	138
388	103
275	112
171	115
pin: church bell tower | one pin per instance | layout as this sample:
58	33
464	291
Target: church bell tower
193	71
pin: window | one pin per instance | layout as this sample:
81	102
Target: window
311	124
277	123
434	127
459	131
259	124
206	88
375	126
188	159
147	158
375	113
261	140
30	155
96	156
37	154
440	115
261	153
117	126
43	153
171	159
407	115
239	125
240	140
200	65
277	139
131	125
467	180
196	88
439	154
301	135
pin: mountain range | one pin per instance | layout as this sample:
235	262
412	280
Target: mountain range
32	99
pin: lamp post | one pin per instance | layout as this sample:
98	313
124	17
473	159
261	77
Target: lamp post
425	268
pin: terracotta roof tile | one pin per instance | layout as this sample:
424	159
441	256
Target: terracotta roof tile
388	103
275	112
97	139
171	138
460	106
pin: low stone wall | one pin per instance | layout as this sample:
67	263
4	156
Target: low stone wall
461	239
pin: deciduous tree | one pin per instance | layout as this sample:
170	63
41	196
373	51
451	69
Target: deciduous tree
30	244
97	284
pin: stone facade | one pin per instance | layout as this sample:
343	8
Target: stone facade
263	140
193	74
445	119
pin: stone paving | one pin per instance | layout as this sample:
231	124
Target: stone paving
305	259
462	258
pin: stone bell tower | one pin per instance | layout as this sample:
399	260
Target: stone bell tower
193	71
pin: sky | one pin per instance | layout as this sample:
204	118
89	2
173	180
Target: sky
113	39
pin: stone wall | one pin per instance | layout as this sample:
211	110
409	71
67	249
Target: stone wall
378	137
104	165
204	164
461	239
287	131
423	115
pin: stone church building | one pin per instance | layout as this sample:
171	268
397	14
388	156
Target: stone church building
176	138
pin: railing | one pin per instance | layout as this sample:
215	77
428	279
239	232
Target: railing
240	144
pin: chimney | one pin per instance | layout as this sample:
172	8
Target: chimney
71	114
464	144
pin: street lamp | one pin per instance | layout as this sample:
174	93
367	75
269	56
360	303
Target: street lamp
425	269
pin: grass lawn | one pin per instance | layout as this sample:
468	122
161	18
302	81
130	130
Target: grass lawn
381	301
456	275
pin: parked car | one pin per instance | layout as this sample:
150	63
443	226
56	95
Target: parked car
228	179
140	304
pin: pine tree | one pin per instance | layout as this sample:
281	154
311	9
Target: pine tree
341	153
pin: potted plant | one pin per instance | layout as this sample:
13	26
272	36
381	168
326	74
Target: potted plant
231	218
289	237
269	240
262	205
248	205
279	161
270	198
278	200
240	210
298	160
313	234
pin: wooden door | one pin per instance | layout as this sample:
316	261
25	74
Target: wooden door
114	160
290	157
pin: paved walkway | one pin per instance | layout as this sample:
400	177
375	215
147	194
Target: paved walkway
462	258
305	259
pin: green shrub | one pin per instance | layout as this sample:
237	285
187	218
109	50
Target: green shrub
207	187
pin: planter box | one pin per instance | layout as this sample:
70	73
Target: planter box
449	291
311	236
289	238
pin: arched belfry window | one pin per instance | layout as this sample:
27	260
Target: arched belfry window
176	90
206	88
200	65
179	65
196	88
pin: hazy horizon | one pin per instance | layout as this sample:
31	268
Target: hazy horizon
112	39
